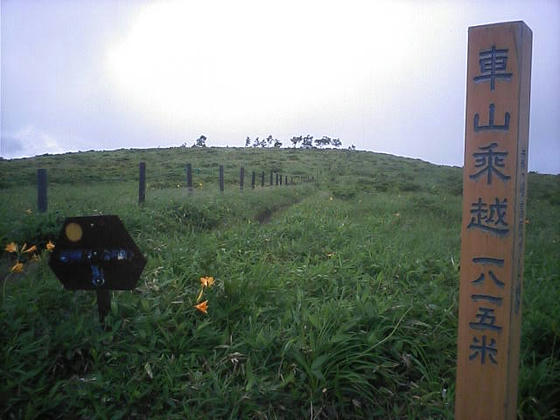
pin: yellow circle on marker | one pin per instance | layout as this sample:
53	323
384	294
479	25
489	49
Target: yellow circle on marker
73	232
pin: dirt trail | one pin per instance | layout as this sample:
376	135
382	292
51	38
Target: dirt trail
265	216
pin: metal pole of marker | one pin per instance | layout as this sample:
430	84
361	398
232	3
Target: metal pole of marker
103	303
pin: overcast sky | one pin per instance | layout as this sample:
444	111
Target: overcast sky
384	76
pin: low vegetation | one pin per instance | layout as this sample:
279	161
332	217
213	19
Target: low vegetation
329	299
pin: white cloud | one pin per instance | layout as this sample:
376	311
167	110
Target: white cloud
29	141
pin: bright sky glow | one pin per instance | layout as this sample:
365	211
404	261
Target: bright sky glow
384	76
185	61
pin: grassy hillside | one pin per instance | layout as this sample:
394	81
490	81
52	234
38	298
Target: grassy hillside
334	298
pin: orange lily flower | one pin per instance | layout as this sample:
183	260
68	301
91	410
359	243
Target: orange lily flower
207	281
32	249
11	247
17	268
202	307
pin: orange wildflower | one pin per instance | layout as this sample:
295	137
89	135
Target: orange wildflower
11	247
202	307
32	249
50	246
207	281
17	268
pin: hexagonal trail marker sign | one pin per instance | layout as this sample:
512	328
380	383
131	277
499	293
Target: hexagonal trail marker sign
97	253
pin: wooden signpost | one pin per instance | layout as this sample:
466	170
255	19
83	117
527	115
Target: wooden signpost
492	237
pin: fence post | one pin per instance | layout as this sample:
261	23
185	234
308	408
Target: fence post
189	178
142	183
271	178
276	179
42	190
253	180
222	178
280	179
286	180
241	178
262	179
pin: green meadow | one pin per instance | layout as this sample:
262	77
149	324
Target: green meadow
331	299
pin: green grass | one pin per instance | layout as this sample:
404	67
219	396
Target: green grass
343	303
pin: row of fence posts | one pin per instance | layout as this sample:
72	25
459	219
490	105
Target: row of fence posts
280	180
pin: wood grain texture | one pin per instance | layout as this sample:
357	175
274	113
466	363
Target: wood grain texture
492	235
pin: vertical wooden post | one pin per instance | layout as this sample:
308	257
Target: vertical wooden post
189	178
241	178
276	179
42	190
262	179
142	183
281	179
492	236
253	180
286	180
271	178
221	180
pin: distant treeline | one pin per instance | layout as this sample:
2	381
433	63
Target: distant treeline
304	142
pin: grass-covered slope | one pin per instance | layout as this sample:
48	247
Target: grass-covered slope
331	299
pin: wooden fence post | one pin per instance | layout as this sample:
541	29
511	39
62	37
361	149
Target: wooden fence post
189	178
241	178
276	178
262	179
492	231
142	183
271	178
42	190
253	180
221	178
